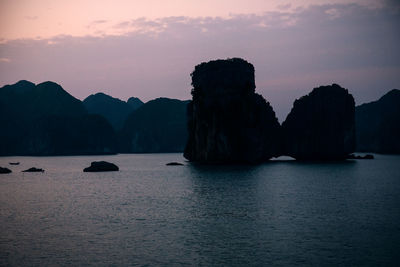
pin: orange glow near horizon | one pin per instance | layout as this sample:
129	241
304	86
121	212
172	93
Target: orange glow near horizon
48	18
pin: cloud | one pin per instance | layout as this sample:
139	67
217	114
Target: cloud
179	26
122	25
284	6
31	17
97	23
100	21
392	3
51	42
333	13
3	59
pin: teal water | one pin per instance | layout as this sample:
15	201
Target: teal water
281	213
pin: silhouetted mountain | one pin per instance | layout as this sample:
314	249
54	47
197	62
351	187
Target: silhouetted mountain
320	125
46	120
113	109
30	102
157	126
135	103
227	121
378	124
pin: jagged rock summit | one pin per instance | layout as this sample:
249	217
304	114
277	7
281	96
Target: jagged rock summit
33	169
227	121
135	103
321	125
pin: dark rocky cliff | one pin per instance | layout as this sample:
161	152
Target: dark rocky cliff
227	121
320	125
378	124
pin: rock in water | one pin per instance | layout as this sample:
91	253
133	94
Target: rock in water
227	121
101	166
33	169
321	125
174	164
4	170
367	156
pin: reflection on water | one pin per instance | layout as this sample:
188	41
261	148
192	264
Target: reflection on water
278	213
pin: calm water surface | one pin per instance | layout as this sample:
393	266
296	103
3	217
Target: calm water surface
149	214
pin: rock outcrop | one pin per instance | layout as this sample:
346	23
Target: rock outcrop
4	170
367	156
33	169
174	164
321	125
378	125
101	166
227	121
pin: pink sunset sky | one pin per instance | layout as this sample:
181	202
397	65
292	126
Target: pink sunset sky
149	48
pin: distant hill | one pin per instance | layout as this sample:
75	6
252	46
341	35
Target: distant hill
113	109
378	124
44	119
158	126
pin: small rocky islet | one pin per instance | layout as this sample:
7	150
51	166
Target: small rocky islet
101	166
33	169
174	164
4	170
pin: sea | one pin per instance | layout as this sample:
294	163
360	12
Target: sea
280	213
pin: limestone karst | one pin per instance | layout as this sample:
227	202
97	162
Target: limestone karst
227	121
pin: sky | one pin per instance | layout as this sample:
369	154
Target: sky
149	48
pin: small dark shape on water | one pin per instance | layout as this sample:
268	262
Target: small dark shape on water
14	163
4	170
33	169
174	164
367	156
101	166
45	120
